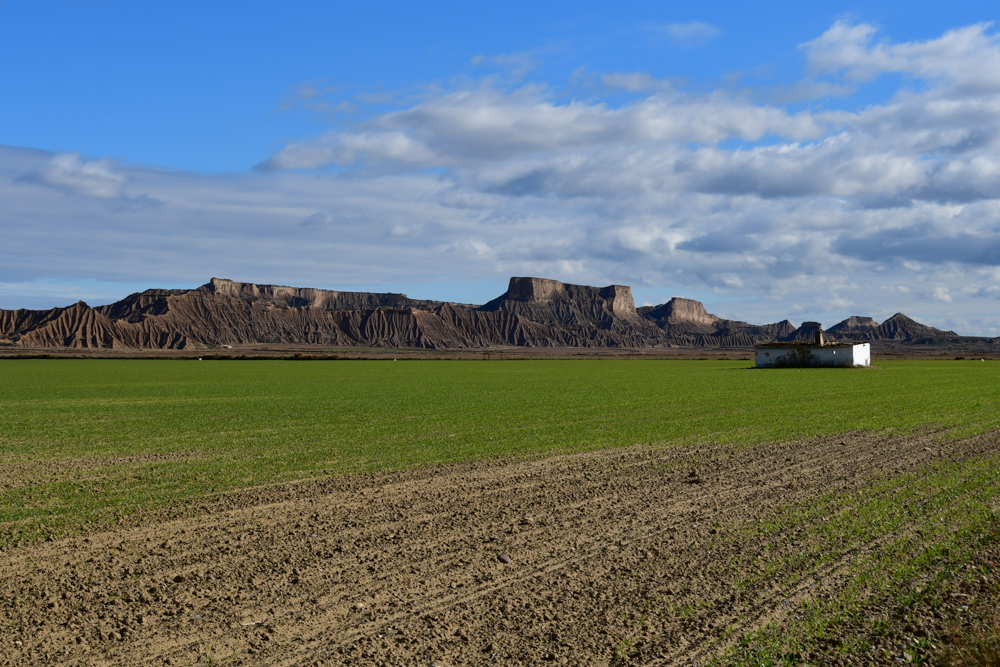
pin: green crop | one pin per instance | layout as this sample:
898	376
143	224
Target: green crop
99	441
928	527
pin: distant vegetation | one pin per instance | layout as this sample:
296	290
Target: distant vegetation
94	442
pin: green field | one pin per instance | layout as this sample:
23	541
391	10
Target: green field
199	428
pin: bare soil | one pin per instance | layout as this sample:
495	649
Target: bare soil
538	561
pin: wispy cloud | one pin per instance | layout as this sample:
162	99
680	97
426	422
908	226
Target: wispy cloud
69	171
966	59
317	97
517	64
635	82
687	35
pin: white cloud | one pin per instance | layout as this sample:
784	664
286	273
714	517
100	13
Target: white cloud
635	82
967	57
351	149
306	155
941	293
71	172
488	126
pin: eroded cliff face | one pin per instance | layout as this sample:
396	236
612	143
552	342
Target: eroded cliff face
857	322
900	327
533	312
553	302
682	311
303	297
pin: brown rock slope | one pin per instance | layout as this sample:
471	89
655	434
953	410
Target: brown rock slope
533	312
687	322
899	327
854	327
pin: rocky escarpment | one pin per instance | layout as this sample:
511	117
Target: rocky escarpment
300	297
854	327
806	333
687	322
553	302
680	314
899	327
533	312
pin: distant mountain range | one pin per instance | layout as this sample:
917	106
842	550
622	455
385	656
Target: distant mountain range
533	312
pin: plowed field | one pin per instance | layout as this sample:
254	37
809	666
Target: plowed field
867	548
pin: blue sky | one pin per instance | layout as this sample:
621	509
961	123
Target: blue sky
802	160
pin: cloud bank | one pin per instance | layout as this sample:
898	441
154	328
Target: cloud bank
775	209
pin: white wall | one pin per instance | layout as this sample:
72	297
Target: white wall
779	356
863	354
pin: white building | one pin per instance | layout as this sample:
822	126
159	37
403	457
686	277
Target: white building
798	355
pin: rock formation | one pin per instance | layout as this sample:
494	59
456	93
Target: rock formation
805	333
552	302
853	328
682	313
533	312
901	327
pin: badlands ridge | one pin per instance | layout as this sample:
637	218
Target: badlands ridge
533	312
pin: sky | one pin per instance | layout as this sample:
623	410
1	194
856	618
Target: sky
808	161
